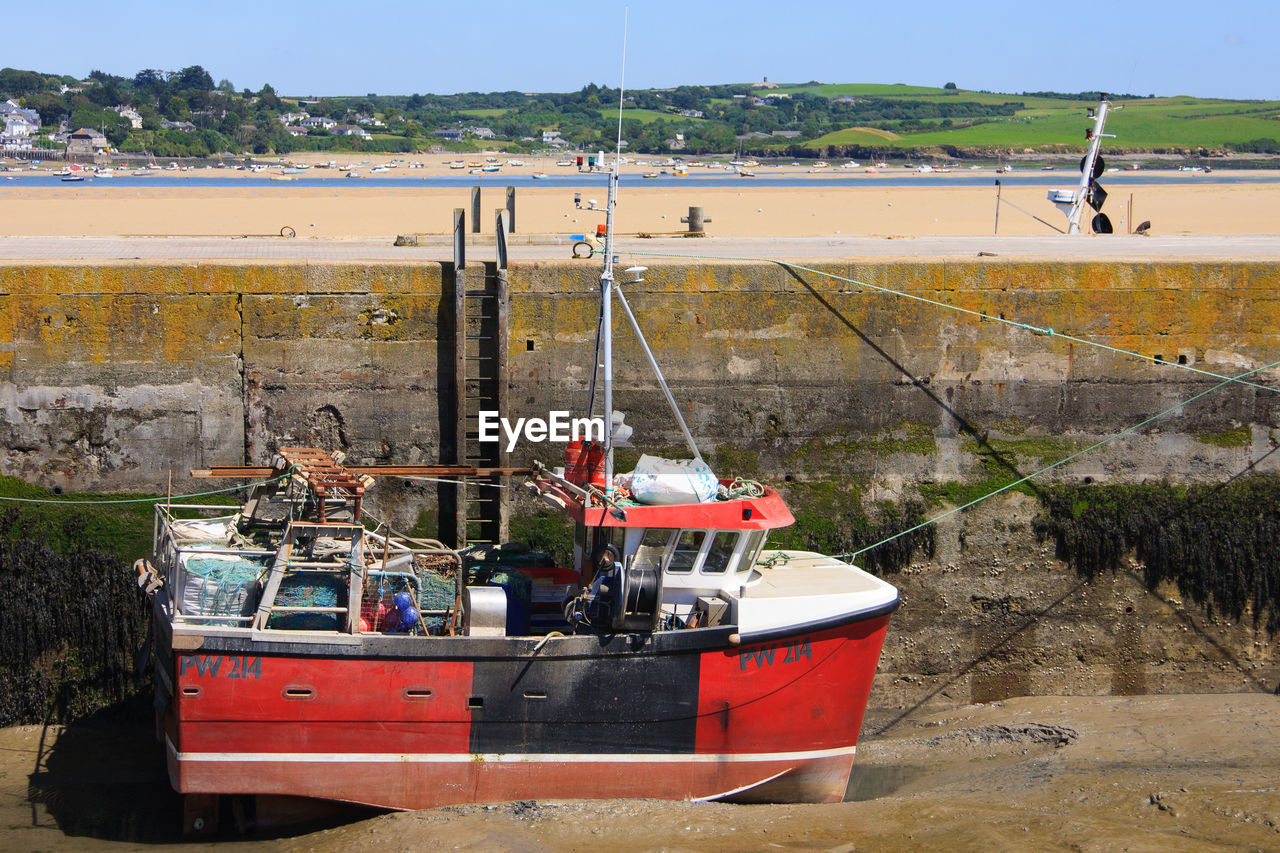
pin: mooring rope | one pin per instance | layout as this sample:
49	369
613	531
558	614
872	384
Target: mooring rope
740	487
162	498
1225	380
1038	330
1059	463
456	482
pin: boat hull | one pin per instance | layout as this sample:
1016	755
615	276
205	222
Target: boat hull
677	715
428	781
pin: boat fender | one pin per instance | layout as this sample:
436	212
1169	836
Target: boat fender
406	614
605	557
591	464
572	454
148	580
408	620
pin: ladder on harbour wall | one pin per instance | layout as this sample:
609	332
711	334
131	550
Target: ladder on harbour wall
481	511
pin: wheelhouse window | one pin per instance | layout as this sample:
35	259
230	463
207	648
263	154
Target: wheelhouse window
653	545
615	536
751	551
686	551
720	554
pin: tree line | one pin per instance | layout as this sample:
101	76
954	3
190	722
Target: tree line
215	117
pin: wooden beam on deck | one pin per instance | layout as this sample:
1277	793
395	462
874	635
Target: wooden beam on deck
253	472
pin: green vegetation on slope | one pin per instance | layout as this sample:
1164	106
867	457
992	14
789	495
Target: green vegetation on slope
185	113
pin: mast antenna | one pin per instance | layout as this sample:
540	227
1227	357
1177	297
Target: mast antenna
607	283
622	82
608	289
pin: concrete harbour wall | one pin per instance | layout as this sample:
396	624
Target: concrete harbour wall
113	376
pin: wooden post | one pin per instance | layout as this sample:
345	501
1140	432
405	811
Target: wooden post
475	210
998	189
511	210
500	231
459	238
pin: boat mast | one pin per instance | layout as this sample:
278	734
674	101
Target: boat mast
608	289
606	329
607	282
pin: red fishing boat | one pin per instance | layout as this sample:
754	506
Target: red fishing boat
300	653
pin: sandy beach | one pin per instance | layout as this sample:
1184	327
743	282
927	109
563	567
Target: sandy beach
869	205
130	208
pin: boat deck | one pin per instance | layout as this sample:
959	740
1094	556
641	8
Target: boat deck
803	572
803	587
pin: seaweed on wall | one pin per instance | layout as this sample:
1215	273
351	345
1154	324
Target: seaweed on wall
1219	544
71	623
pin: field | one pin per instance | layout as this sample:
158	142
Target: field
1142	123
1039	122
644	116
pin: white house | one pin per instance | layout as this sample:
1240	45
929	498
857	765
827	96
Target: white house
322	122
135	120
18	131
11	107
349	130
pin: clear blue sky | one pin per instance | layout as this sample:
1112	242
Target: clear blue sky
397	47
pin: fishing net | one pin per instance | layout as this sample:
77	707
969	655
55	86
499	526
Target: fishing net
310	589
217	585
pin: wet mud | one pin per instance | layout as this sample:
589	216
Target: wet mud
1167	773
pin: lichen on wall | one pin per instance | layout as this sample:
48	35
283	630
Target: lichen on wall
870	410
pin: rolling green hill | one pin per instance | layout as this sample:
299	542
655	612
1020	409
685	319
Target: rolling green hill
1047	123
182	113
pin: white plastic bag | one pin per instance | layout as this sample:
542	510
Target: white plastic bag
672	481
218	585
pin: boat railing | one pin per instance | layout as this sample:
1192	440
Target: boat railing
182	578
215	578
177	540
